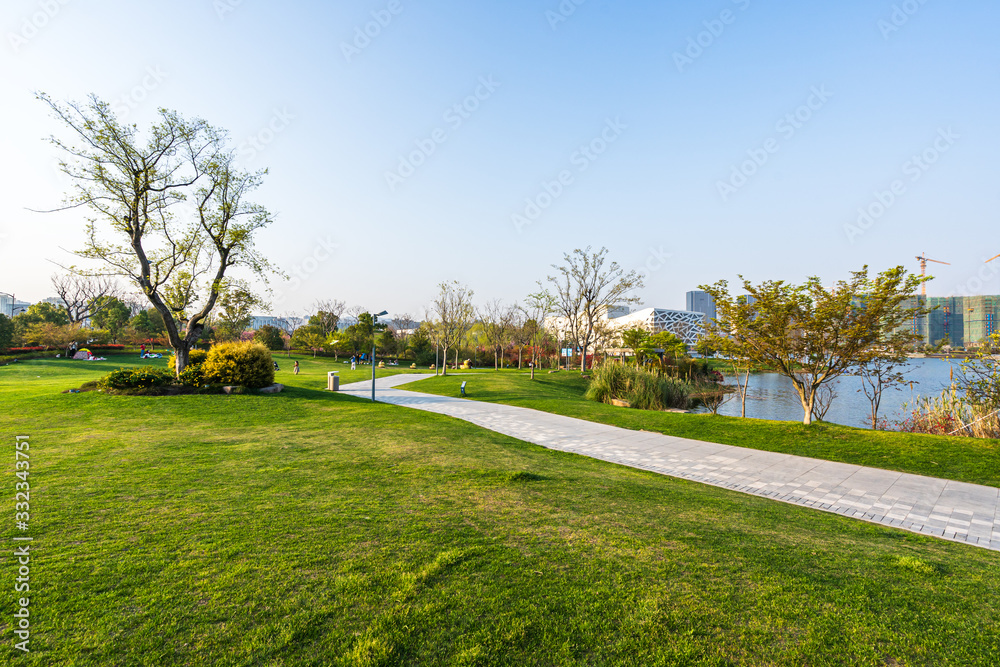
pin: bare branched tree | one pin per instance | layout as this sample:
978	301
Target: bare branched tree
538	307
454	316
403	325
328	314
585	289
82	295
520	332
879	374
496	320
354	312
824	399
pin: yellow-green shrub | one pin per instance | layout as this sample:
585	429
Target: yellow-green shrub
195	357
136	378
245	364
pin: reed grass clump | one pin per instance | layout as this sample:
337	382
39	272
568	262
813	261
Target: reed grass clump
643	389
951	413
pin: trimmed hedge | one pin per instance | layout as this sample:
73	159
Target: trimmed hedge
244	364
27	356
136	378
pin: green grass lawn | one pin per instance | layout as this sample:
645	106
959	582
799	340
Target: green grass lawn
964	459
307	528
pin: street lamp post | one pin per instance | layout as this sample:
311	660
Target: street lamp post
374	325
13	300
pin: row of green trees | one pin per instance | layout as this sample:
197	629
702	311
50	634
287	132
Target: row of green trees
171	214
47	325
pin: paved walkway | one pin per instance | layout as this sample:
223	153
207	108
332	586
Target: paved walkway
951	510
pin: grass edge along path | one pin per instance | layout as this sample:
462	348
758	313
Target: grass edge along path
972	460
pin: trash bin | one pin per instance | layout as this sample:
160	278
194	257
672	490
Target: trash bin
333	381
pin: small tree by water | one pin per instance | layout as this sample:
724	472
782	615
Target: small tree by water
812	334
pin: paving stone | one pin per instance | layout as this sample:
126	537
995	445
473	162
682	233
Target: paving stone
957	511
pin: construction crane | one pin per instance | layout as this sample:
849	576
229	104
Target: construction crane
923	270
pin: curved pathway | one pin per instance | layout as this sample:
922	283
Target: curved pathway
955	511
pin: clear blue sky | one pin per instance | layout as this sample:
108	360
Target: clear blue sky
879	96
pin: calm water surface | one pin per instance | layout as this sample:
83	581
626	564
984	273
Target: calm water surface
772	396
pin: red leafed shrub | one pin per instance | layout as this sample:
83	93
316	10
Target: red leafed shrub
14	350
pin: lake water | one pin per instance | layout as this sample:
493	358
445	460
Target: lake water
772	396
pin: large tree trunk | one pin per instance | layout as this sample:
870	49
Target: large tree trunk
519	351
808	403
444	360
805	399
496	360
182	352
583	359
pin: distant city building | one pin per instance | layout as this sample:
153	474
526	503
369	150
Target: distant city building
10	306
258	321
701	302
617	311
686	325
964	321
689	326
345	322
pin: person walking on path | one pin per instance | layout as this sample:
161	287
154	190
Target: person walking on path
296	369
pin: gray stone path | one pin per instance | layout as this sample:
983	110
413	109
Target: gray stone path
951	510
